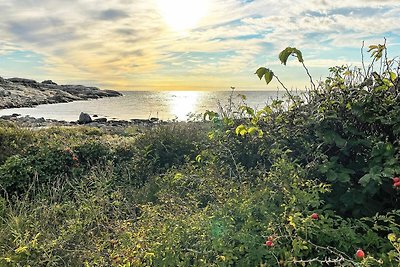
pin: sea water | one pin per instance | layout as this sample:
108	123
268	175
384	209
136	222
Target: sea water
165	105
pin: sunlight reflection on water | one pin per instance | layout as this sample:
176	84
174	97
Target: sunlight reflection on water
183	103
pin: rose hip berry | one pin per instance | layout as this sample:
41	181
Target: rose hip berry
269	243
314	216
360	254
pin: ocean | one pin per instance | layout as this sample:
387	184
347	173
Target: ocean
165	105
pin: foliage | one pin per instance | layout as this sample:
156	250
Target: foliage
304	181
346	134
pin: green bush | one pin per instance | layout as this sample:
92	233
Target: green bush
346	133
13	140
165	146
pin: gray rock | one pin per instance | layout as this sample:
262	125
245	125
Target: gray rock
26	82
49	82
101	120
4	93
84	118
111	93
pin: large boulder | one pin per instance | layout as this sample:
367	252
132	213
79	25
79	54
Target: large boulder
84	118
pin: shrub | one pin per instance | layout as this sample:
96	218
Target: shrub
165	146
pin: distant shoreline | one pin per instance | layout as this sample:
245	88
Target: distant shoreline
19	92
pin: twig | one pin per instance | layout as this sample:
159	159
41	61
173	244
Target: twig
362	59
309	75
234	161
286	89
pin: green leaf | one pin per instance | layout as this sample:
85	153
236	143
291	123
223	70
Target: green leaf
372	47
392	237
261	71
267	73
343	177
243	132
298	54
199	158
253	130
178	176
210	114
248	110
331	176
365	179
240	129
392	75
268	76
284	55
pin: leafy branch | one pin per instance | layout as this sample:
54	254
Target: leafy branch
283	57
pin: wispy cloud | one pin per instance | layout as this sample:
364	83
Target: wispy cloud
127	44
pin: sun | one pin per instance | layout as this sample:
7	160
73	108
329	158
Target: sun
182	15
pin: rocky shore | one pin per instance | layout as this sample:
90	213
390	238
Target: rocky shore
19	92
84	119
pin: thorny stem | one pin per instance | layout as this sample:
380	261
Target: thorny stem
340	256
234	161
309	75
286	89
387	63
362	59
382	59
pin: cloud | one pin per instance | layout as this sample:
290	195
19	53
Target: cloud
113	14
121	43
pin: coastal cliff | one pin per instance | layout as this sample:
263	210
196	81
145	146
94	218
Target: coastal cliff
19	92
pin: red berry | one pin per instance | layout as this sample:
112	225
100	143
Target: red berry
396	179
269	243
314	216
360	254
396	184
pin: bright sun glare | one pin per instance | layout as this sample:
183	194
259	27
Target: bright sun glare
182	15
183	103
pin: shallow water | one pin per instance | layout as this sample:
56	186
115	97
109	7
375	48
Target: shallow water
144	105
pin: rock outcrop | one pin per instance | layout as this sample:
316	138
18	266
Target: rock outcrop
19	92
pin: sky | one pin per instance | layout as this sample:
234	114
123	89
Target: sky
185	44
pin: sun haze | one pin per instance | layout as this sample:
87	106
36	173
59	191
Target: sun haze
181	15
187	45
